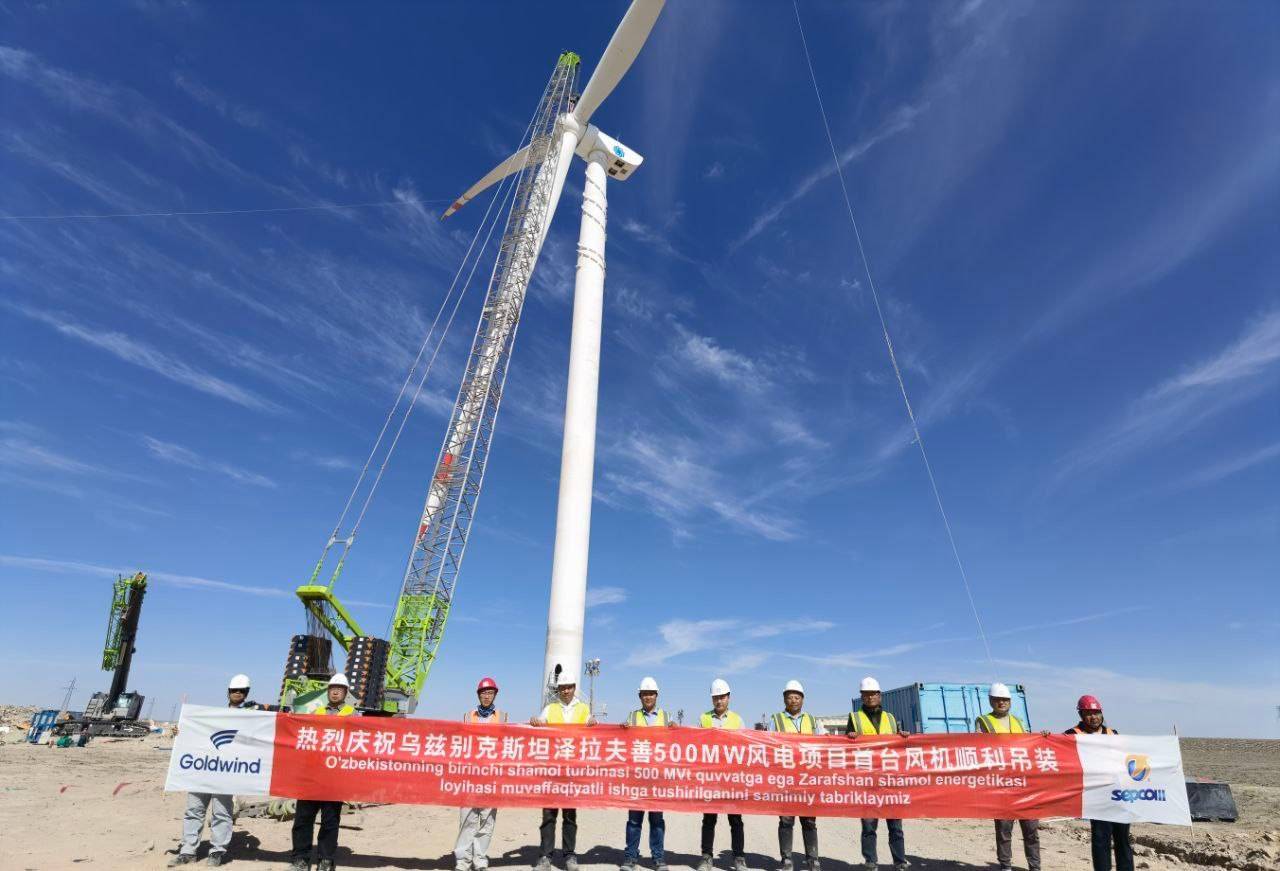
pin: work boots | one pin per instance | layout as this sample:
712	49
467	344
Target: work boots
182	859
571	863
325	865
544	864
705	864
300	865
739	864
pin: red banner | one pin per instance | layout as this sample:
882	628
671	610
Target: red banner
678	769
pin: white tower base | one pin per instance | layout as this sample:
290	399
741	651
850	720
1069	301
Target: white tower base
567	612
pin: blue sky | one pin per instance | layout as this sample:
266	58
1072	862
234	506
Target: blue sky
1071	215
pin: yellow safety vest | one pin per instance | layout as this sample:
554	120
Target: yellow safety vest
782	722
732	720
994	725
637	718
578	716
344	711
862	724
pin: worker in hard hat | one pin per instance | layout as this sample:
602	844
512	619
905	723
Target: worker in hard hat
475	828
565	710
1106	837
336	704
1000	721
199	803
792	720
645	716
872	719
720	717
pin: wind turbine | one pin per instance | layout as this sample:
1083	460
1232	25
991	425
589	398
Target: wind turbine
606	158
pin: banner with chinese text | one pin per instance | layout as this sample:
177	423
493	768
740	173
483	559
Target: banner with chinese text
683	769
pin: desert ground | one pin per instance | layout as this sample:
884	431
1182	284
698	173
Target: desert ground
104	806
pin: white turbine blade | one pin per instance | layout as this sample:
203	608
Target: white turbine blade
627	41
514	163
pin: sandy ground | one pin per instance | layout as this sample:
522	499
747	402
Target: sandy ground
104	806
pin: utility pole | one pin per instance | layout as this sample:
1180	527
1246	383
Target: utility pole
680	716
151	707
71	688
592	668
173	713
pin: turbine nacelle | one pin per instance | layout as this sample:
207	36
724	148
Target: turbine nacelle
621	161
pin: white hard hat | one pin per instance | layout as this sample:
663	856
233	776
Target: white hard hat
339	680
793	686
999	691
648	685
869	685
566	679
719	687
239	682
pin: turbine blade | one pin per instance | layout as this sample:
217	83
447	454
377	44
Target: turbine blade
627	41
514	163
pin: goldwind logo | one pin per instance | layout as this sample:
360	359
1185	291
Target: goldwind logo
1138	766
223	738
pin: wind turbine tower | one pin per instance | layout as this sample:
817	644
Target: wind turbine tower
606	158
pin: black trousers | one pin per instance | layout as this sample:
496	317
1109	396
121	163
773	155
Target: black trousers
737	841
1104	836
568	834
304	822
808	832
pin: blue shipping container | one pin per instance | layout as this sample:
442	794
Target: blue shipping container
930	708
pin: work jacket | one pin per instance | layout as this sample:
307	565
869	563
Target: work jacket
1079	729
1008	725
860	723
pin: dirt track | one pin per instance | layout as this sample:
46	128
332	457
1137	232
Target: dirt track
104	807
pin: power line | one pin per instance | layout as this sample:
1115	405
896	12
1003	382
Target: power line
328	207
888	342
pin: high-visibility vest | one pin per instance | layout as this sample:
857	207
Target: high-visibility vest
1102	730
861	724
731	720
472	716
782	722
638	718
1008	725
344	711
578	714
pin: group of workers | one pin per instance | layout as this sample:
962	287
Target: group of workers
476	825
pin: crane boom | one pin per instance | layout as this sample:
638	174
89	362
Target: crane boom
440	541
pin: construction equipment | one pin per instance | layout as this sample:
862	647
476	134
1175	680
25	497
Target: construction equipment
387	675
116	711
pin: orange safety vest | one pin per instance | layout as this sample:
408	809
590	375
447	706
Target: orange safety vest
1102	730
473	716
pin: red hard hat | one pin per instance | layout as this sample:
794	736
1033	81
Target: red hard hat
1089	703
487	683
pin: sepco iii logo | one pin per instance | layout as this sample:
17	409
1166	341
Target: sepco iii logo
1138	765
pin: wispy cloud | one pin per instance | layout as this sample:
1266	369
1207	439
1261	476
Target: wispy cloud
715	170
184	581
1237	373
202	93
899	121
597	596
22	454
681	636
1226	468
138	353
180	456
